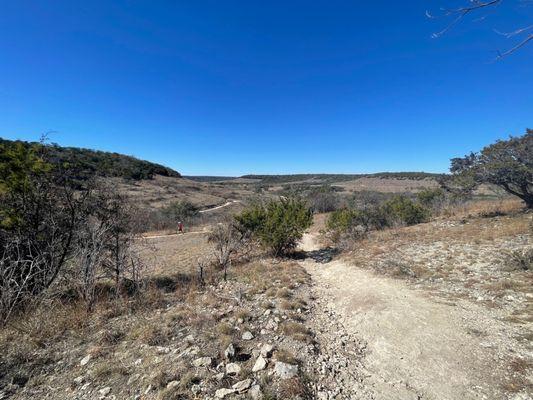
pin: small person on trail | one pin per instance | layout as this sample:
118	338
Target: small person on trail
180	227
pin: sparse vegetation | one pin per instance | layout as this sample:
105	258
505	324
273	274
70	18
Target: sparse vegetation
150	332
323	199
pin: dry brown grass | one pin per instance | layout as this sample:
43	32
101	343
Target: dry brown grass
462	257
170	255
150	334
293	388
172	307
285	356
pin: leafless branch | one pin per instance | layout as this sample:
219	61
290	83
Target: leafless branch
514	33
475	5
460	13
518	46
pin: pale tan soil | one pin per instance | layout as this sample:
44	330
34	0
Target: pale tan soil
407	344
162	191
387	185
171	254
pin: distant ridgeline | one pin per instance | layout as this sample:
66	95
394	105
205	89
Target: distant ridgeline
86	163
341	177
209	178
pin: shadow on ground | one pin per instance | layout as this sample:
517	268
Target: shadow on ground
322	256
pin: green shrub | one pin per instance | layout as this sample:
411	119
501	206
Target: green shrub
341	220
279	224
251	219
356	222
431	198
181	211
402	210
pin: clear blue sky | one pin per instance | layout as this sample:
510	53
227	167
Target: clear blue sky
234	87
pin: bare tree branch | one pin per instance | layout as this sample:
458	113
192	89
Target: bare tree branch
518	46
460	13
476	5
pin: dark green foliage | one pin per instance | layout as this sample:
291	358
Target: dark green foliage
371	218
431	198
251	219
506	163
342	220
402	210
279	224
398	210
84	164
47	227
183	211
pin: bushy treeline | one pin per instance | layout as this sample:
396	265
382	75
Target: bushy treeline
51	232
84	164
399	210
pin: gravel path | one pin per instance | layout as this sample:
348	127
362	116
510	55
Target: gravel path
381	339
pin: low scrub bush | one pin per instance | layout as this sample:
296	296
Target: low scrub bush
183	211
323	199
353	224
522	259
401	210
277	225
431	198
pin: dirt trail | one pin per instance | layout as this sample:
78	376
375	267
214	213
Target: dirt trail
228	203
404	345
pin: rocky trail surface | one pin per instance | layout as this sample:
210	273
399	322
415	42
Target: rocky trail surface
381	339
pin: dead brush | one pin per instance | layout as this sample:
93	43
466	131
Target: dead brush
284	355
396	268
51	321
225	328
161	378
243	315
108	369
297	331
293	388
522	259
150	333
501	287
111	336
284	293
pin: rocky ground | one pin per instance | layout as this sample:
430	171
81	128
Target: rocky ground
245	338
435	311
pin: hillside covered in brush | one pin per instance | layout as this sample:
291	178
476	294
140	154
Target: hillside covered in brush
85	163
